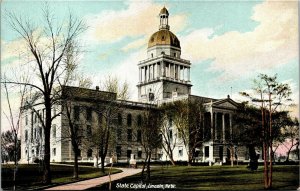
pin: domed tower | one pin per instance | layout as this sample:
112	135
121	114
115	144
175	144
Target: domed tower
164	74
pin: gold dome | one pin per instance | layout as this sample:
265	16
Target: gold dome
163	37
164	11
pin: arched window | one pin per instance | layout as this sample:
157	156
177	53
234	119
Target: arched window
129	121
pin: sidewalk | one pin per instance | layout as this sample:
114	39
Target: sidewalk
85	184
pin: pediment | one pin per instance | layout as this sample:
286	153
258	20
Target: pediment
226	104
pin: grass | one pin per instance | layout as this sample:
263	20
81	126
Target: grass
216	178
29	176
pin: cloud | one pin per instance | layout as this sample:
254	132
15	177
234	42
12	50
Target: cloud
137	20
272	43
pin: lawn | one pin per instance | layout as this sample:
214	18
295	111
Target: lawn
216	178
30	176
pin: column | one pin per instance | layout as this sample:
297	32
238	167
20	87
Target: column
216	125
183	71
174	71
154	73
169	70
149	69
140	74
212	125
230	125
157	70
188	74
223	126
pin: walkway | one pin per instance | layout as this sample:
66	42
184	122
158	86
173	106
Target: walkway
85	184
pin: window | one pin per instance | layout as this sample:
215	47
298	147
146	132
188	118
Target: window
129	134
54	110
119	119
174	54
34	134
119	151
162	52
129	121
89	153
139	120
76	112
206	151
171	134
151	55
119	134
26	120
26	135
35	117
54	152
88	130
140	154
170	121
139	136
54	131
180	151
40	132
128	153
88	114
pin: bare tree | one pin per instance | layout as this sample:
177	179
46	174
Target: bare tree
187	120
48	45
150	139
168	140
15	118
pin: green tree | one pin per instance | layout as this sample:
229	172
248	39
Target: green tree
271	95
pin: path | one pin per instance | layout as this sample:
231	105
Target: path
85	184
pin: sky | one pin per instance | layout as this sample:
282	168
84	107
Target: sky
228	42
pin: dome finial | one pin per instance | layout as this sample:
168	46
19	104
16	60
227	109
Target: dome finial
164	14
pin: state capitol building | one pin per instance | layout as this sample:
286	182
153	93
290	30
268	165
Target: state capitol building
164	77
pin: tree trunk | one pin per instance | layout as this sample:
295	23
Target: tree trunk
148	167
47	171
270	144
75	170
109	175
231	154
102	163
266	170
144	165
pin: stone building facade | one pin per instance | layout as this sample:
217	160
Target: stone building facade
163	77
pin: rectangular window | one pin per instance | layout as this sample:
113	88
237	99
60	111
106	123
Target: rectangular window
35	117
139	136
140	154
88	130
26	135
206	151
180	151
76	112
129	134
54	110
119	151
54	152
88	114
26	120
34	134
119	134
54	131
128	153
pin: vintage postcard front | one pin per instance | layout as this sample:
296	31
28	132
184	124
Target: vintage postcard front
160	95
